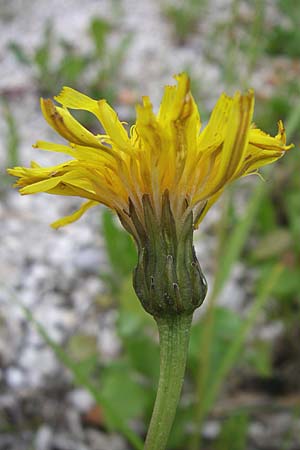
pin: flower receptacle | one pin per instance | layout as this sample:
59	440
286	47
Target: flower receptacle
167	279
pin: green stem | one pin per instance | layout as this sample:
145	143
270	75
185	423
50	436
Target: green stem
174	333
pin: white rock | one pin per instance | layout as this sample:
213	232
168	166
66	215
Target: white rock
15	377
44	437
81	400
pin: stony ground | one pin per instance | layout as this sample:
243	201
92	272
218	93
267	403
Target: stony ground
56	273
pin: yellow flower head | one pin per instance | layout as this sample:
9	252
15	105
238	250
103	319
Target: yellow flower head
163	152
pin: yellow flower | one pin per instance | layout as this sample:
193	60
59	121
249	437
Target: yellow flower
163	152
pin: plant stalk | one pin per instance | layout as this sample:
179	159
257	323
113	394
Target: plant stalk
174	333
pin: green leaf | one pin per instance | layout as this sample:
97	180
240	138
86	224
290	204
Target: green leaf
293	211
19	53
99	29
184	17
43	53
143	354
259	358
82	347
41	58
274	244
236	240
233	350
116	57
226	327
288	284
284	42
119	246
12	136
233	435
71	67
179	430
124	391
112	415
266	216
129	301
132	316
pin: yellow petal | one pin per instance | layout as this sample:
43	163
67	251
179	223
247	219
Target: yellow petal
216	127
147	129
165	151
235	143
41	186
75	216
64	123
264	149
80	152
70	98
236	140
264	141
53	147
175	101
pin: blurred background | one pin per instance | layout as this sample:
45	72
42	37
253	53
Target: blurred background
78	356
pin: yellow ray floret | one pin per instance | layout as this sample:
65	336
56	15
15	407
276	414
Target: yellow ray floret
164	151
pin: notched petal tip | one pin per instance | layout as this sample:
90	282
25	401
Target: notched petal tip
62	94
71	98
182	77
281	136
177	103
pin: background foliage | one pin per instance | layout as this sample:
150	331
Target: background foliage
225	352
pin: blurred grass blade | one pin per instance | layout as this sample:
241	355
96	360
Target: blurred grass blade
236	241
12	136
19	53
293	121
237	425
71	68
118	55
228	256
120	250
119	245
208	389
233	351
80	378
43	53
99	30
256	46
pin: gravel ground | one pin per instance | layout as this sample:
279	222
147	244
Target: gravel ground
56	273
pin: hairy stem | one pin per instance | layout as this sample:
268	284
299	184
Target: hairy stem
174	333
